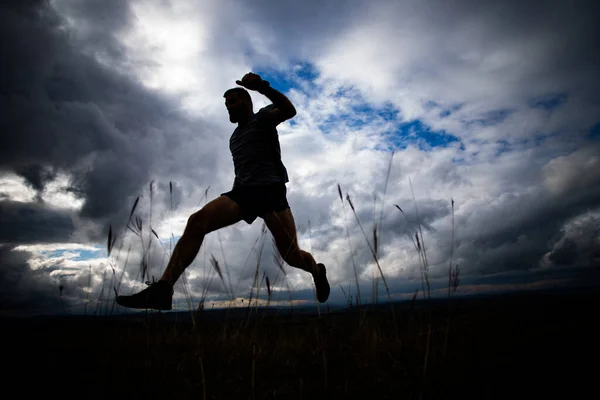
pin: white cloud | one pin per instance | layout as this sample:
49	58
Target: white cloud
15	188
55	194
573	172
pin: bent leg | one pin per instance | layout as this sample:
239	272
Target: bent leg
217	214
282	226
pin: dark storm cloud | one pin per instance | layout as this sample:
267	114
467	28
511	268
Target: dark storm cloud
517	231
100	21
565	254
511	233
36	175
563	37
22	287
578	246
22	223
67	112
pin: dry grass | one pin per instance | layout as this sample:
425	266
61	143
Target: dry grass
370	340
499	348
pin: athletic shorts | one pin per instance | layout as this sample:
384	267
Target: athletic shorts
256	201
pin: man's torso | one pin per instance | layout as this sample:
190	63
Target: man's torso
256	153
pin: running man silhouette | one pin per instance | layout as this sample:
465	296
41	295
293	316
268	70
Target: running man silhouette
259	190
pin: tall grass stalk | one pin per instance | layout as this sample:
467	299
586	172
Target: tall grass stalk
256	282
358	298
387	289
150	225
453	282
375	232
208	275
129	226
311	252
414	245
230	286
100	296
370	247
423	257
171	219
217	269
280	263
387	177
89	289
256	242
424	250
120	279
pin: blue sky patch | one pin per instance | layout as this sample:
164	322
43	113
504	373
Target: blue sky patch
360	114
416	132
82	254
306	71
285	80
363	113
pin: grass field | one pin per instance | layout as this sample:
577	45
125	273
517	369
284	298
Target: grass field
537	344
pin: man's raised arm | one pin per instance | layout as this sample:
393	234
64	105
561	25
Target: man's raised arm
280	101
283	106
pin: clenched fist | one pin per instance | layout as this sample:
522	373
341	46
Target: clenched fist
253	82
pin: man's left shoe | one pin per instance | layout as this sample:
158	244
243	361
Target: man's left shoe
158	296
321	284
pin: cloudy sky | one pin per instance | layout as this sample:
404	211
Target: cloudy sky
494	105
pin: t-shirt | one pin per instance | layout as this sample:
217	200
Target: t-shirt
256	152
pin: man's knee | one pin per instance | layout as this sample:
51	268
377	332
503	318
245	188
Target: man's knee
291	258
301	259
294	257
197	223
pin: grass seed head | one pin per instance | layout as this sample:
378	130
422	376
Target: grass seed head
375	238
350	201
135	203
216	266
268	286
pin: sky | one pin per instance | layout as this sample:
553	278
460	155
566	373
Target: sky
486	115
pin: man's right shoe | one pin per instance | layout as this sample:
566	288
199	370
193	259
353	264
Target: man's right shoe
321	283
158	296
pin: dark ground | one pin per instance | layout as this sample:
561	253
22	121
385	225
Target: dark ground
534	345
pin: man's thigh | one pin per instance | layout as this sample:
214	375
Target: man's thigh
218	213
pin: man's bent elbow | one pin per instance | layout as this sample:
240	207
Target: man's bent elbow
291	113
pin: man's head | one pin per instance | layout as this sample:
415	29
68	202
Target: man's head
238	103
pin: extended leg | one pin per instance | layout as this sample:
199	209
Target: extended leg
217	214
283	228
